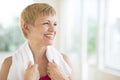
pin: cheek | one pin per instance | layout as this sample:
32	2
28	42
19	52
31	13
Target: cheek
42	29
39	32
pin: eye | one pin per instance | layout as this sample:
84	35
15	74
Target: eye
46	23
55	24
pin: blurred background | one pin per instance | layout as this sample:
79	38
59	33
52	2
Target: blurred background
88	32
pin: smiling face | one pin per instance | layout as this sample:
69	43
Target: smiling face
43	31
38	23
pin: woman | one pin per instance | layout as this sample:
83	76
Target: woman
37	59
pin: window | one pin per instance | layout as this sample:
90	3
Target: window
112	57
10	35
92	33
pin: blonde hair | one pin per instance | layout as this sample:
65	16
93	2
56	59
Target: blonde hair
31	13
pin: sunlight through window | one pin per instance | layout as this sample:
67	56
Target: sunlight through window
10	35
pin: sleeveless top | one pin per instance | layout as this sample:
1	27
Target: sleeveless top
45	78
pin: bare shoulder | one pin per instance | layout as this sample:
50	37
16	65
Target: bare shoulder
5	68
8	61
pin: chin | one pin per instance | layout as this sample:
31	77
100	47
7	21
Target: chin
50	43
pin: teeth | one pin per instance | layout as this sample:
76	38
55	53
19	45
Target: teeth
50	36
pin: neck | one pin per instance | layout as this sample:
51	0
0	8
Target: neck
38	51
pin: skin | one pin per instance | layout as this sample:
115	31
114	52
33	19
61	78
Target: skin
40	35
5	68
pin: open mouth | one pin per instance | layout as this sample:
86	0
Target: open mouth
49	36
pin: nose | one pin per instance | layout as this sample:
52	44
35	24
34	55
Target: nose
52	28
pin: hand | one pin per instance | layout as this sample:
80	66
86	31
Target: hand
32	73
55	72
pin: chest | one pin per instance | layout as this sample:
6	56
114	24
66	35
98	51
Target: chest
43	68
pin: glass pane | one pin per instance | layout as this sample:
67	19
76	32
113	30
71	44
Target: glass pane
92	8
72	26
10	35
113	28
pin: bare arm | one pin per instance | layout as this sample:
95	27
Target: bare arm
5	68
70	64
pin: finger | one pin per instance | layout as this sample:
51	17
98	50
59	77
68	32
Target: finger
29	64
48	67
48	73
36	66
53	61
51	64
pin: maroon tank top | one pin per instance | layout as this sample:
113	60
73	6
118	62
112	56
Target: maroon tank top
45	78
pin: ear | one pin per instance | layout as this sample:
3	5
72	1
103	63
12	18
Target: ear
26	28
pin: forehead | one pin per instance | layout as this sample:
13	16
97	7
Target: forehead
46	18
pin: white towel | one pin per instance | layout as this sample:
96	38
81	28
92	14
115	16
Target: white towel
22	57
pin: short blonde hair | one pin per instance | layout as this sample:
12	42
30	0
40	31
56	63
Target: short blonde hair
31	13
